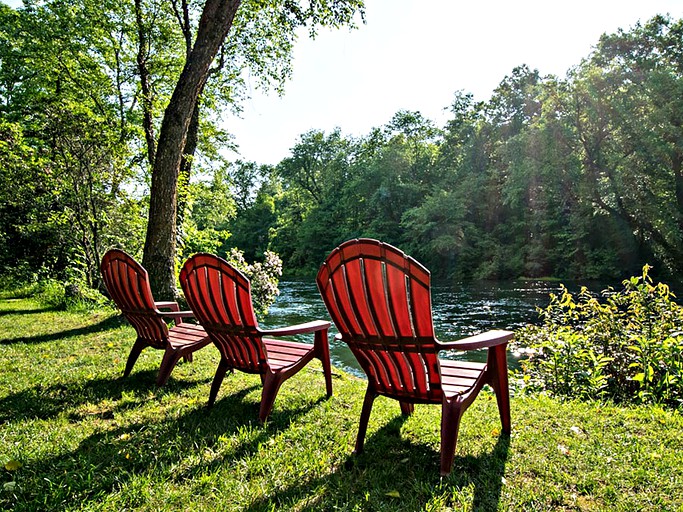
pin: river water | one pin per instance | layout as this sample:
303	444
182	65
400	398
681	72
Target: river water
459	310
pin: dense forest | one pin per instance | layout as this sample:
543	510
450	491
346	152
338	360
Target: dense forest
573	177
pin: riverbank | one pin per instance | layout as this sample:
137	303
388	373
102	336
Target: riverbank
74	435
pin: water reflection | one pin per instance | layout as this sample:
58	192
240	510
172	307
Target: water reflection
458	311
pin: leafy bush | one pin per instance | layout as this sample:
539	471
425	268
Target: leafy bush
52	294
628	346
72	295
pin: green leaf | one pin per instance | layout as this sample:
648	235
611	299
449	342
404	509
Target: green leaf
394	494
12	465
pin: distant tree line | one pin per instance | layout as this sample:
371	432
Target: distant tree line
578	177
574	177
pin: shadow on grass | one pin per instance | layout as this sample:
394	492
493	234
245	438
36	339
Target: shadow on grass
109	323
485	473
278	421
47	401
8	312
396	474
186	447
106	461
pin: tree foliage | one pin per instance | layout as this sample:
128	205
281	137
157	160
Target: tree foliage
109	97
574	177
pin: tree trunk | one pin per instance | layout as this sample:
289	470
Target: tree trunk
160	243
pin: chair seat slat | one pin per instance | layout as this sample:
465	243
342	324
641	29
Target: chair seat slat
455	364
282	354
185	336
455	368
458	381
286	345
287	354
278	351
454	390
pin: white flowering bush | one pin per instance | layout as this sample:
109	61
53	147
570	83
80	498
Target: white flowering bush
264	277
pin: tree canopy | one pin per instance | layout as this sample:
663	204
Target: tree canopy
574	177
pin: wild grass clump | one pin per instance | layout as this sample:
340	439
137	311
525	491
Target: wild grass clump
626	345
72	295
18	290
19	283
69	293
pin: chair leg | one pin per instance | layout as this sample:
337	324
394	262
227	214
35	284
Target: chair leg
499	383
322	351
271	386
451	412
169	361
217	380
370	396
133	356
407	408
188	358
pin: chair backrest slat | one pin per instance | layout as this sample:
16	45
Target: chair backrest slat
220	297
376	290
357	300
128	285
380	300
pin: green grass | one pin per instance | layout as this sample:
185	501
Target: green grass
74	435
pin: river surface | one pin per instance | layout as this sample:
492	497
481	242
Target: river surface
460	310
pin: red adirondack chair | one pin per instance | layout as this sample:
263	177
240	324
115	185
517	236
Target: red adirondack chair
220	297
128	284
379	299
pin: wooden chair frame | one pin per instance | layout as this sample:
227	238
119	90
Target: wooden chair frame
128	285
220	296
380	301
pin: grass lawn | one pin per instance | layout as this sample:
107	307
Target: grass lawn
74	435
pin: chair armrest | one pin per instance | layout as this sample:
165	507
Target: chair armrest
177	314
169	304
484	340
315	325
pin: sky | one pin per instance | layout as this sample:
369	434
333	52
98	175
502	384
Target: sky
414	55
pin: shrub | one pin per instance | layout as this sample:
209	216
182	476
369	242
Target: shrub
626	346
264	277
72	295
